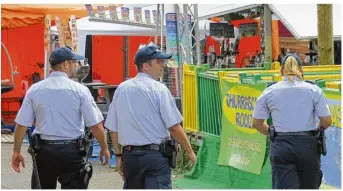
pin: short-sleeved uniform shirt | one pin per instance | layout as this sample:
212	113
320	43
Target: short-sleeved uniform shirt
61	108
141	112
293	106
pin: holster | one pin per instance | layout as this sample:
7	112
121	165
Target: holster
321	140
84	141
36	142
74	178
87	173
271	133
35	146
169	149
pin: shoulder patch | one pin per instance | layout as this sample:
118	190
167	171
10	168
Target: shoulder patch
311	82
271	84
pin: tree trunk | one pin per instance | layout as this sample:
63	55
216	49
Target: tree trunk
325	34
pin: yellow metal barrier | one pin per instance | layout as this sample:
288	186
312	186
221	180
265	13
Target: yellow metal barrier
333	85
337	67
190	96
308	77
278	77
190	99
278	71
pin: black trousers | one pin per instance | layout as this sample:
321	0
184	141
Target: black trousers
62	163
295	162
146	170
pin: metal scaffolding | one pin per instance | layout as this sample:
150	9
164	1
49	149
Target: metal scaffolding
187	41
188	29
190	51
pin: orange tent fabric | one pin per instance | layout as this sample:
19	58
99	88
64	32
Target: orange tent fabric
21	15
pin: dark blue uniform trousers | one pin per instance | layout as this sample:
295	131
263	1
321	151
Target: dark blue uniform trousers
146	170
60	163
295	162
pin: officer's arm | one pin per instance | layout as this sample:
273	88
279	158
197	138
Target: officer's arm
260	126
115	143
19	134
100	135
325	122
179	135
261	112
111	122
93	118
24	119
172	118
321	109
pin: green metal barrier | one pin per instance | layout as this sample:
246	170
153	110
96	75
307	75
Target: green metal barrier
209	103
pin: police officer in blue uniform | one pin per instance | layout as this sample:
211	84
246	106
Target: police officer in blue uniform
61	108
141	116
293	105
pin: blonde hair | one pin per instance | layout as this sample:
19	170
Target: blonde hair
291	68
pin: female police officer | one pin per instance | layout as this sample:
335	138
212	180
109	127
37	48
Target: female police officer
293	105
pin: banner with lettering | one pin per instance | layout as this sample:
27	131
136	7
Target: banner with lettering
331	163
66	32
171	39
101	12
125	14
242	146
90	10
113	12
137	12
73	33
60	31
147	16
154	16
47	33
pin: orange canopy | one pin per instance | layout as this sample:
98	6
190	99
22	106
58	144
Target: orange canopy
20	15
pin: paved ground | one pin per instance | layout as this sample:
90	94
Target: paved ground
103	176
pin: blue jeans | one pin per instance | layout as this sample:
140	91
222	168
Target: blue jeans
146	170
295	162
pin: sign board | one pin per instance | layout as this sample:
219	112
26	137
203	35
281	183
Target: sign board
101	12
137	14
90	10
154	15
242	146
125	14
248	29
113	12
222	30
73	33
47	33
147	16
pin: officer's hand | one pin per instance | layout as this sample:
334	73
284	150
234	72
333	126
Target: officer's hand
17	158
120	167
192	157
106	154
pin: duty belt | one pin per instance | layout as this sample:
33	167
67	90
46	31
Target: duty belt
58	142
301	133
153	147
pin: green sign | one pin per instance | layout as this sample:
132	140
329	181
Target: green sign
242	146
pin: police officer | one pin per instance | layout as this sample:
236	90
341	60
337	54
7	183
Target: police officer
143	114
61	109
293	104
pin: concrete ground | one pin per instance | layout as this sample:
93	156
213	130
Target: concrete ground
103	176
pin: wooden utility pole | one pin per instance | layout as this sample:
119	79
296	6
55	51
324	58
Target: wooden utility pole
267	18
325	34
